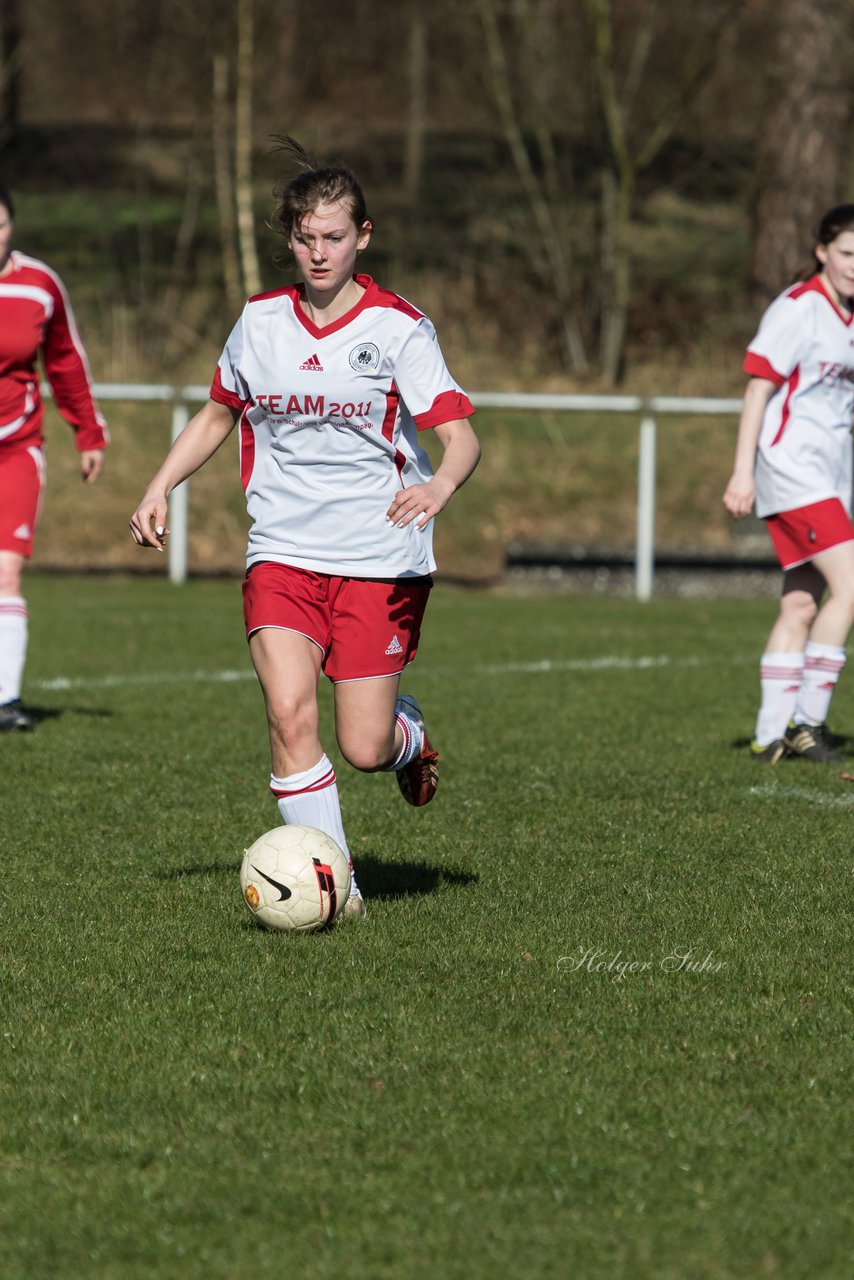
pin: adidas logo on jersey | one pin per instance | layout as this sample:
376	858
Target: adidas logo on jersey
23	531
394	647
313	364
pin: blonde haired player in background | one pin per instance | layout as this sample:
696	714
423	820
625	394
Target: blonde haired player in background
794	456
331	381
35	320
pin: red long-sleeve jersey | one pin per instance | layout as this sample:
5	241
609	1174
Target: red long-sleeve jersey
36	316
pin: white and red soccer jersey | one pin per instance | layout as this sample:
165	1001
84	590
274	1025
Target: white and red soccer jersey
35	315
805	346
328	429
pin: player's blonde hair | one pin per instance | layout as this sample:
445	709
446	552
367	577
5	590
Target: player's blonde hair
317	184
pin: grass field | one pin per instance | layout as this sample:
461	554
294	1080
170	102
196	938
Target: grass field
595	1024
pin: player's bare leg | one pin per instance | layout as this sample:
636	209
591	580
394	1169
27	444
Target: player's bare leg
782	664
803	589
302	779
13	643
288	667
364	722
836	616
824	657
380	730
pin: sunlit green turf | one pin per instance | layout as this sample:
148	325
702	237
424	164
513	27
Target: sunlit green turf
594	1025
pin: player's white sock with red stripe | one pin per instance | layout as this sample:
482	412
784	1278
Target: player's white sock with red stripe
413	737
13	646
780	680
310	799
823	665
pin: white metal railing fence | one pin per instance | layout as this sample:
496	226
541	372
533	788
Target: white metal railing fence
647	408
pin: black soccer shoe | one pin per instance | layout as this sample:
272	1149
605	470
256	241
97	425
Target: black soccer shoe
812	741
13	716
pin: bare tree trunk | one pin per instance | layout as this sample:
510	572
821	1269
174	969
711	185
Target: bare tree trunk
11	61
243	149
175	333
417	93
618	185
803	147
552	246
616	263
629	159
222	135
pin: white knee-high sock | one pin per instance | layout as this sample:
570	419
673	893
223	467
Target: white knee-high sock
823	665
780	680
13	646
310	799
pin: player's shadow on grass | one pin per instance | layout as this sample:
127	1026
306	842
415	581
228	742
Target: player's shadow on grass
200	869
382	881
385	881
40	714
844	742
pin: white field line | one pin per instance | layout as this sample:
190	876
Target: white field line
547	667
771	792
544	667
143	678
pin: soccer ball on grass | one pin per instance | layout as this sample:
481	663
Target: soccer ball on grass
295	878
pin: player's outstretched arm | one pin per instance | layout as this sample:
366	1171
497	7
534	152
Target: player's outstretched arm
740	491
423	501
199	440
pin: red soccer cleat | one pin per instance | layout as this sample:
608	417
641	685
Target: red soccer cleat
419	779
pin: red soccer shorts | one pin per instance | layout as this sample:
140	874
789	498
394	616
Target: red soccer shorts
22	477
365	627
801	535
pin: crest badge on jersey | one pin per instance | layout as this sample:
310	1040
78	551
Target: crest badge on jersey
365	358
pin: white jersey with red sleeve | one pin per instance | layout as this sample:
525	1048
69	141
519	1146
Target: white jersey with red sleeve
805	346
35	315
329	429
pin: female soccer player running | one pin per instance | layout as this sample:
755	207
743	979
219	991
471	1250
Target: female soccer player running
35	319
794	455
330	381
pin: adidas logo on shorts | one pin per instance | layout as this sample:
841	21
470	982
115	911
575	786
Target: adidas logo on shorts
394	647
23	531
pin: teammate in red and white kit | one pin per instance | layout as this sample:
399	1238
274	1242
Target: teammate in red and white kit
331	381
35	319
794	456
